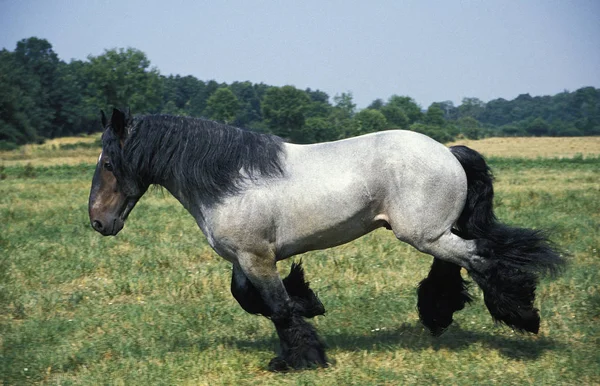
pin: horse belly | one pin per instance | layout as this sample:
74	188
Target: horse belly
325	218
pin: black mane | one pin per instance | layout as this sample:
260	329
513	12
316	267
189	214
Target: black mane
206	158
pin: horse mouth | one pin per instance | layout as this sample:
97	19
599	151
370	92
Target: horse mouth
127	208
111	228
119	222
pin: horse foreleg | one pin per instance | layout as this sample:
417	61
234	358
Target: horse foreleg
246	293
300	345
440	294
299	291
305	300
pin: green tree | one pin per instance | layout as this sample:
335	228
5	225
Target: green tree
471	107
249	112
538	127
438	133
197	104
319	104
321	129
178	92
450	112
434	116
56	98
124	78
222	105
368	121
18	110
408	107
395	116
345	104
283	111
469	127
377	104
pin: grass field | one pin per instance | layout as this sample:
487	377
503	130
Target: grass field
152	305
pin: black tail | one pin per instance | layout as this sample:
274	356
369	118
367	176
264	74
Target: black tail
513	258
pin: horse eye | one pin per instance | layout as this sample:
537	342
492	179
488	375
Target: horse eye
108	166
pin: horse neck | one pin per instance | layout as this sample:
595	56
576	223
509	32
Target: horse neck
193	203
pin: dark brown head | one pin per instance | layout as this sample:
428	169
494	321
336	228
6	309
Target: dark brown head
114	192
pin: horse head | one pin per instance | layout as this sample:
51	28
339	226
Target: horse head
115	189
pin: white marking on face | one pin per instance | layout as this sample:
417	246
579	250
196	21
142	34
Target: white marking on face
99	157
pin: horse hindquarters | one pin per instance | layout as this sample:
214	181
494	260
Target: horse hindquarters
510	260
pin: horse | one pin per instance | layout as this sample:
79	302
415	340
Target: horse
259	200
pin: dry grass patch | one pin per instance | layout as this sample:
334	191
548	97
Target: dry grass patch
531	147
58	151
548	181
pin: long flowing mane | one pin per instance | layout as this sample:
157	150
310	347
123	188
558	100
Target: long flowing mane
207	158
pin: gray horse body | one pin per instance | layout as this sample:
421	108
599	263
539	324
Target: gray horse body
334	192
259	200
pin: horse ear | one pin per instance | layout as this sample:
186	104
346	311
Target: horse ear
118	124
103	117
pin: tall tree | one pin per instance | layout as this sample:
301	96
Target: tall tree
434	116
284	109
395	116
249	112
124	77
408	107
471	107
377	104
222	105
18	109
345	104
42	65
368	121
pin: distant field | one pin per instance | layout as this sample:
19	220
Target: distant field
75	150
152	306
59	151
531	147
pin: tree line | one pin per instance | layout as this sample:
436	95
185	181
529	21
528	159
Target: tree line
43	97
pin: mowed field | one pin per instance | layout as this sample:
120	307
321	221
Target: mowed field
152	305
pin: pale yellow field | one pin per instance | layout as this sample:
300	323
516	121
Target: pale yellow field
533	147
49	153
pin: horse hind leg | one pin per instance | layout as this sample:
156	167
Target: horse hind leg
505	266
440	294
300	345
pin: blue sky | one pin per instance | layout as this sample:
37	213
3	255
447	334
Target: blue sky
429	50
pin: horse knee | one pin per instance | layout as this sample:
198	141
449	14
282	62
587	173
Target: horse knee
247	295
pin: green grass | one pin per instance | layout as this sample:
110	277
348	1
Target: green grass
152	305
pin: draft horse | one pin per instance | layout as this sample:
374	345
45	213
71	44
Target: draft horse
259	200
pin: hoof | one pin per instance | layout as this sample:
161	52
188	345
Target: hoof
440	295
278	365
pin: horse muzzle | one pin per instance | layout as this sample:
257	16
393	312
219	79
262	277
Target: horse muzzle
110	224
107	227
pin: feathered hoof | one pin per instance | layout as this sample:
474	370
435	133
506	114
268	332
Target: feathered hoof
509	295
280	365
440	295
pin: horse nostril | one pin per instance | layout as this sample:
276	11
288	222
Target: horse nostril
97	225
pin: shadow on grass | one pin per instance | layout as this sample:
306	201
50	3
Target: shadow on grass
414	337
